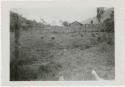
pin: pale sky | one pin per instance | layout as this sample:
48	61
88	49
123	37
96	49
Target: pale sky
54	15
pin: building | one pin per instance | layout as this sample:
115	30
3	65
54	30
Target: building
76	26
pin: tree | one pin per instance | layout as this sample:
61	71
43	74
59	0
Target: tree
13	20
100	11
65	23
109	23
91	21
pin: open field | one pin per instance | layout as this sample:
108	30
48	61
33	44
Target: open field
44	56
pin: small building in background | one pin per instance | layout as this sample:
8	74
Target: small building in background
76	26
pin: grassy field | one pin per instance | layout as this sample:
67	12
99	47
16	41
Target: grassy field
43	56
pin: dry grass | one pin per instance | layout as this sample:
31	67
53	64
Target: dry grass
69	53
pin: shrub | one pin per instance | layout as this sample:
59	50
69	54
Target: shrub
42	37
49	71
17	71
52	38
109	23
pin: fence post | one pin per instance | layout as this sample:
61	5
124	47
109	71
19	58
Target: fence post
85	27
17	36
14	65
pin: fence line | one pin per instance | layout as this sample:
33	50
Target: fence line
83	28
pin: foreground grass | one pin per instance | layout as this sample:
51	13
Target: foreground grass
44	56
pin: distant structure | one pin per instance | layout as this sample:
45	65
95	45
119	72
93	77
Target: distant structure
105	15
75	26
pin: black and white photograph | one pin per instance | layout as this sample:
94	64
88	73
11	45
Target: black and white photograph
70	42
62	44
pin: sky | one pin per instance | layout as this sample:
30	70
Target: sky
53	15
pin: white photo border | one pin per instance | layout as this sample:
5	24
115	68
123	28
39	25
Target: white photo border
119	6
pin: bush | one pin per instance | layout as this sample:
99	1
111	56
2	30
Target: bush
52	38
109	23
49	71
17	71
23	23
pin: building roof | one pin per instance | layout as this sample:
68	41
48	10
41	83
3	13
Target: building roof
76	22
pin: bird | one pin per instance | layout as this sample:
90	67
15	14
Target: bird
96	76
61	78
